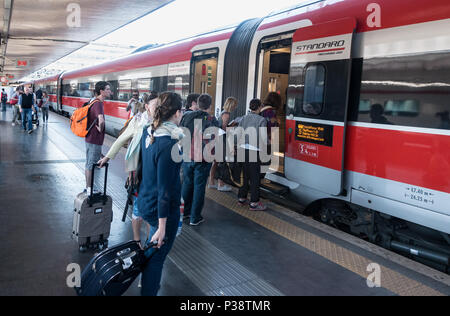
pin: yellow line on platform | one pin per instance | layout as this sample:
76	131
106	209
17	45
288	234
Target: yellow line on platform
390	279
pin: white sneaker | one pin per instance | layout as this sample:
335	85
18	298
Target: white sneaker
212	186
13	124
224	188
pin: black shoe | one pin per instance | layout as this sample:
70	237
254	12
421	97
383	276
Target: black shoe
30	131
197	222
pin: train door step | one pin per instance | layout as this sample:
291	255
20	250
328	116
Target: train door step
279	194
275	188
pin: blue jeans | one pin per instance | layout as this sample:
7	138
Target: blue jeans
3	106
45	114
151	276
195	177
136	213
27	116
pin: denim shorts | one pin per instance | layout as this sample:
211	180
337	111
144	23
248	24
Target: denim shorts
93	155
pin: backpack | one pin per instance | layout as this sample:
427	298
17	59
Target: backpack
4	97
79	120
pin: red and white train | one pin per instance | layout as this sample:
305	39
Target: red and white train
365	131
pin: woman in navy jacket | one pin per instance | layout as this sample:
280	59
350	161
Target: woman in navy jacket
160	189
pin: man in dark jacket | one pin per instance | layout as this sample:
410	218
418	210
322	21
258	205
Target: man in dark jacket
196	171
191	103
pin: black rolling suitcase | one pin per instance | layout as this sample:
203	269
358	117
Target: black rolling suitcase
35	118
112	272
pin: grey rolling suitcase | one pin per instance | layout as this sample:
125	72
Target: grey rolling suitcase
92	218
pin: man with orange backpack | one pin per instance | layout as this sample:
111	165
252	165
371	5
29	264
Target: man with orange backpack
96	134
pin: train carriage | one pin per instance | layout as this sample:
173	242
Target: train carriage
50	85
166	68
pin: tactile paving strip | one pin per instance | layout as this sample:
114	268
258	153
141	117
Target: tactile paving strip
212	271
390	280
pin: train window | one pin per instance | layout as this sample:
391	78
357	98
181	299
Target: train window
402	108
179	84
160	84
406	90
364	106
70	90
64	90
85	90
114	84
124	90
314	89
144	85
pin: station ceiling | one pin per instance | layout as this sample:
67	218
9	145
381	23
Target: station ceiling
39	32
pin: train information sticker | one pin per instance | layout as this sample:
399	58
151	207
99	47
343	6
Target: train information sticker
314	133
309	150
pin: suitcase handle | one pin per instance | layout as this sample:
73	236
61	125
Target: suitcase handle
106	182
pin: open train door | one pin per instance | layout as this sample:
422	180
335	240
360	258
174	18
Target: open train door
318	97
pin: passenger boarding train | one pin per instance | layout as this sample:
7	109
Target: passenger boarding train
365	130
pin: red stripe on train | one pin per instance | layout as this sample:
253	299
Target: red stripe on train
116	109
414	158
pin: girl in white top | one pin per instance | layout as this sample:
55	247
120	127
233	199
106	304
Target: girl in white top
134	132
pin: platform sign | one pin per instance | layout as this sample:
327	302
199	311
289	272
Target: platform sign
22	63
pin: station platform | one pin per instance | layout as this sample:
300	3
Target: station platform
235	252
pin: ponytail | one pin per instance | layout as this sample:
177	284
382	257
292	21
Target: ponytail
169	104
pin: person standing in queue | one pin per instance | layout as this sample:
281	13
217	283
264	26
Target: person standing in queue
252	147
160	190
196	171
191	103
134	132
96	136
271	105
131	106
230	106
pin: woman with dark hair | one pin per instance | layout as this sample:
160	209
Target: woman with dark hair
271	104
45	106
160	189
